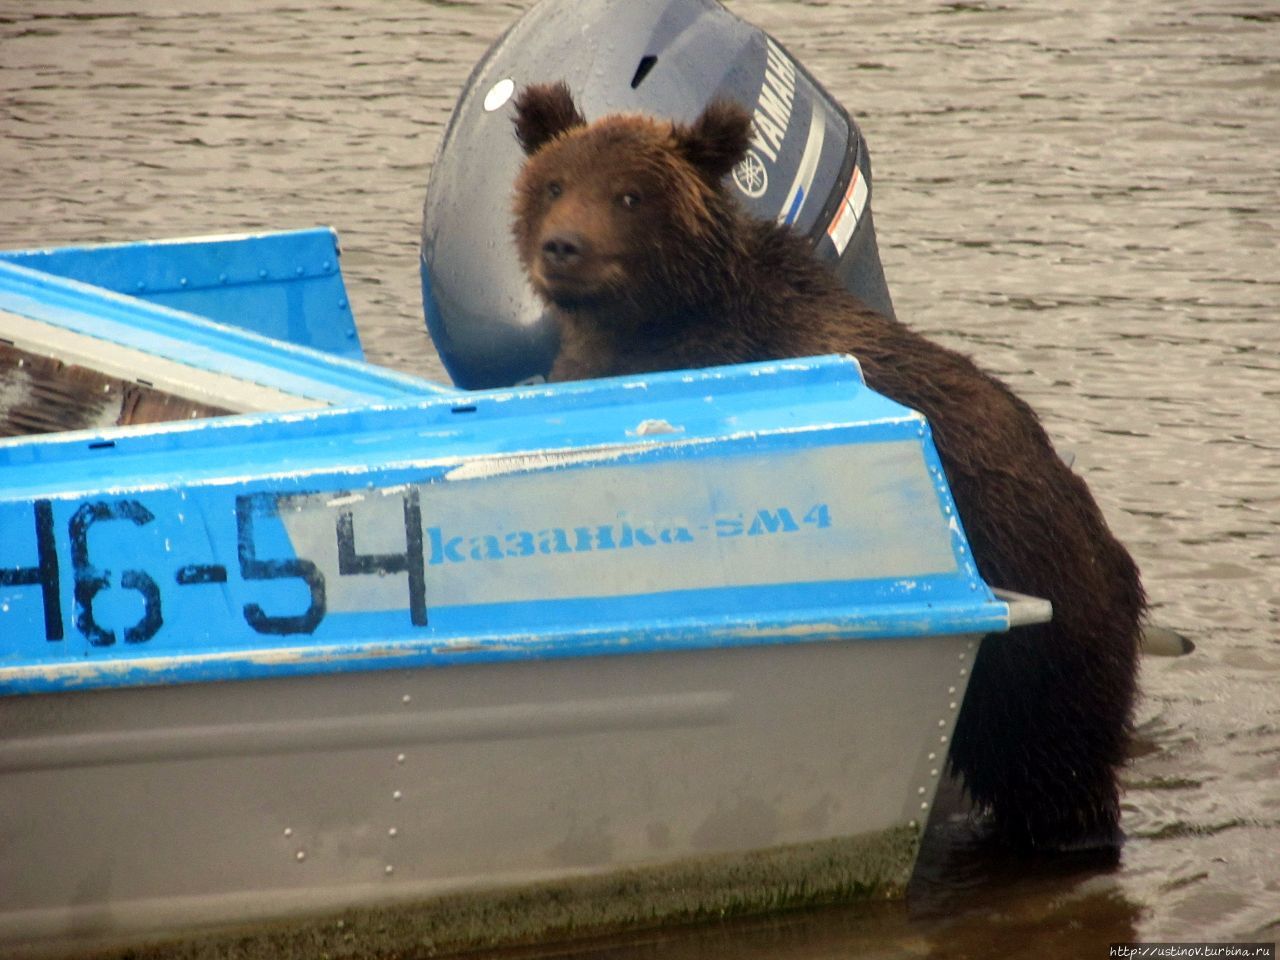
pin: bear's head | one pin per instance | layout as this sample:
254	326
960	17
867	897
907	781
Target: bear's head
618	216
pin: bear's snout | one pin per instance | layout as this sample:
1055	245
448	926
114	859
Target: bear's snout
563	249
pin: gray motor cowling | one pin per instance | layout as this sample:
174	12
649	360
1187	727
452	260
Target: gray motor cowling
808	166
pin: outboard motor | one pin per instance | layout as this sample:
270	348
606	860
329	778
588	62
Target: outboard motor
808	166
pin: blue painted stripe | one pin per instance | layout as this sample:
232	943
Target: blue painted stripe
511	635
794	211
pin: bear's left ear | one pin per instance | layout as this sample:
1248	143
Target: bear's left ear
717	141
543	112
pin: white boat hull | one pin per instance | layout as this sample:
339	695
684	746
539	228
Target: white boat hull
729	779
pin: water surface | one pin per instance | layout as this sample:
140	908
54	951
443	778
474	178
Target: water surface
1086	197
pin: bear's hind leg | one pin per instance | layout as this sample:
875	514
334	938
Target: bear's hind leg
1041	736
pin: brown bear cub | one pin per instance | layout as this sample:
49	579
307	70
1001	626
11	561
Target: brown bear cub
629	234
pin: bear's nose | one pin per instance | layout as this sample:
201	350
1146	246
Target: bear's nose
563	249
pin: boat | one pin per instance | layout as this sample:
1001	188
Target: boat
302	654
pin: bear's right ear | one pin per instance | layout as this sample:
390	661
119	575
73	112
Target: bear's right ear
717	141
543	112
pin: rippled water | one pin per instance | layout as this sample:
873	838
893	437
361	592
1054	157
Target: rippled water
1085	196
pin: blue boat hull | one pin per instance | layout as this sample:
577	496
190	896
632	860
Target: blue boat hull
547	653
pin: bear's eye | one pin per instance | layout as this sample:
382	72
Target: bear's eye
554	189
630	199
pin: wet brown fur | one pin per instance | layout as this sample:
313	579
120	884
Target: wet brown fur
683	278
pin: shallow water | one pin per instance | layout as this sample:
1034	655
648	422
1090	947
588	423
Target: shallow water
1085	197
